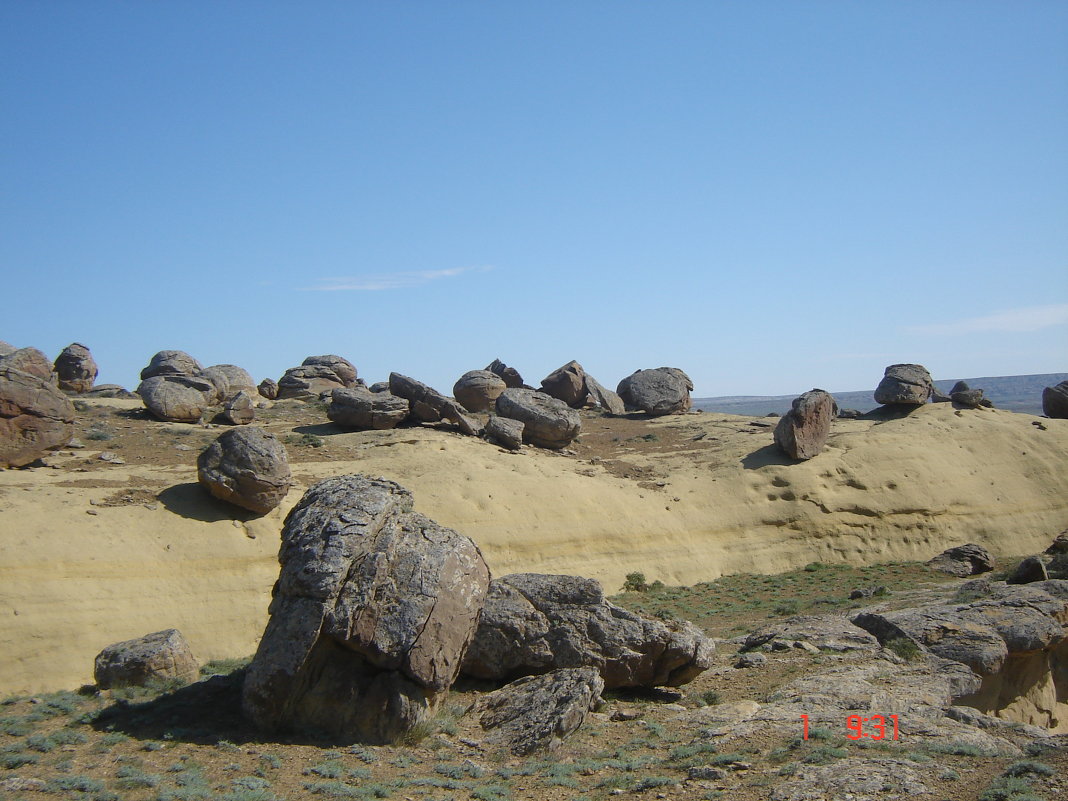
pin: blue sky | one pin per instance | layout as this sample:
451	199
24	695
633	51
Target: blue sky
770	195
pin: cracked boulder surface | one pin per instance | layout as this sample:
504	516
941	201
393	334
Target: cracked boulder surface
373	609
535	623
34	417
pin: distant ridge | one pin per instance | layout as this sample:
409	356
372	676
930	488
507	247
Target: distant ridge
1017	393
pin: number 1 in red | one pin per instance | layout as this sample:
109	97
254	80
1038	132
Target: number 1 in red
804	720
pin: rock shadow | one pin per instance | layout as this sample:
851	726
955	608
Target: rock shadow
192	501
766	456
206	713
321	429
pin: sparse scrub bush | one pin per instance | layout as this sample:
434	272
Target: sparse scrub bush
330	769
1007	788
133	778
824	754
1028	766
635	582
905	648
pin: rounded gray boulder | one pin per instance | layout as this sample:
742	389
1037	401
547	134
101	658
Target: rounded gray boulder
171	362
177	398
478	390
76	369
657	392
247	467
905	384
547	422
161	656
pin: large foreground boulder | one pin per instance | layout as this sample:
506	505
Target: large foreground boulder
538	712
534	623
30	360
359	408
547	422
963	560
802	432
1055	401
177	398
657	392
478	390
34	417
372	612
160	656
905	384
171	362
247	467
76	369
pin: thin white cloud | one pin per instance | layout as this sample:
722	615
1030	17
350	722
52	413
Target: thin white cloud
1032	318
378	283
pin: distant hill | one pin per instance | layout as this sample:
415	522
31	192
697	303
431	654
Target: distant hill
1017	393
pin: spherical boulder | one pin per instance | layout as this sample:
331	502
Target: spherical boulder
905	385
268	388
247	467
76	369
177	398
657	392
478	390
341	367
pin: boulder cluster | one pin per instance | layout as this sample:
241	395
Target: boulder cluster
177	389
378	609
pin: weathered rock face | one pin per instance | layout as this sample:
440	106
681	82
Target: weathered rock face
547	422
506	433
822	632
1059	544
511	377
379	386
478	390
6	349
163	655
75	368
341	367
663	390
1030	570
230	379
34	417
308	382
372	612
177	398
906	384
247	467
534	623
538	712
1014	639
605	398
268	388
359	408
1055	401
240	409
802	432
29	360
426	403
963	560
567	384
171	362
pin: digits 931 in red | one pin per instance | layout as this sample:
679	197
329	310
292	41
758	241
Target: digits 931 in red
876	727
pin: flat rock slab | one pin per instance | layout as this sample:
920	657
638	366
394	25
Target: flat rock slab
538	712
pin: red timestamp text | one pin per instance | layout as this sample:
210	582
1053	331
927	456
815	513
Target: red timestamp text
875	727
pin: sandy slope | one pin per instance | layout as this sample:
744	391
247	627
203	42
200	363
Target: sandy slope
72	582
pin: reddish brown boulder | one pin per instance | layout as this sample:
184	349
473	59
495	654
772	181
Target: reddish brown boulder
32	361
34	417
76	369
802	432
